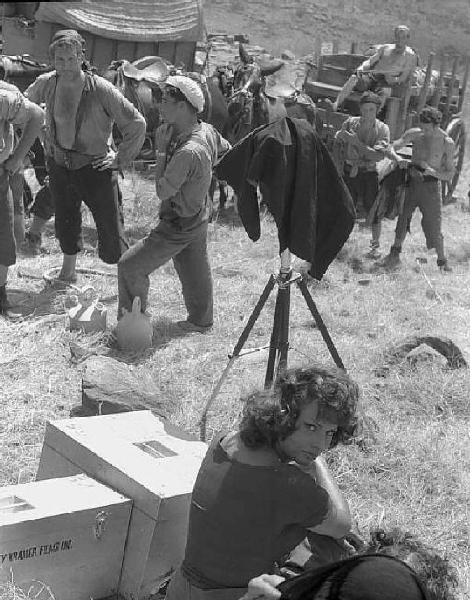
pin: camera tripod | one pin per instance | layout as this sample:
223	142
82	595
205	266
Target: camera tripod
279	342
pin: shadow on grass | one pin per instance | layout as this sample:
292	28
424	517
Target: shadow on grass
31	303
164	330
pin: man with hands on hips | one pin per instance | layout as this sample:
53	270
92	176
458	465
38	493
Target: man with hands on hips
81	109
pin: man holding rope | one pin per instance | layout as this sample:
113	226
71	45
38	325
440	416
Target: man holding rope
81	109
15	110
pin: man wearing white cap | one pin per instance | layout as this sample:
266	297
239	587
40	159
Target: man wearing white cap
186	152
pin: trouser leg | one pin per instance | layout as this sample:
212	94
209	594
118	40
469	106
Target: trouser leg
193	268
135	265
351	184
43	207
7	236
16	186
404	217
67	202
100	192
376	231
431	222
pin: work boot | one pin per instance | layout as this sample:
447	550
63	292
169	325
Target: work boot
444	265
5	305
393	259
32	243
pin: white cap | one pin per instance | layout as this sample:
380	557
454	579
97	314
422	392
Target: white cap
189	88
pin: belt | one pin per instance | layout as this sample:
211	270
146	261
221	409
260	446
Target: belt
70	158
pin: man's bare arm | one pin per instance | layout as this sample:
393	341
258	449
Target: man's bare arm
32	120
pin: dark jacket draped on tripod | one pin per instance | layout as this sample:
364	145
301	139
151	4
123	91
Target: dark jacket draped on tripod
300	185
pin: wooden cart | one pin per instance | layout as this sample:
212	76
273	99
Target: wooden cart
443	88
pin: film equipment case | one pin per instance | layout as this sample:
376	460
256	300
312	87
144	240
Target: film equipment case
67	534
135	454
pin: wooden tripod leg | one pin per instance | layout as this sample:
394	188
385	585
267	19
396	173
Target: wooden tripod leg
279	344
236	352
320	324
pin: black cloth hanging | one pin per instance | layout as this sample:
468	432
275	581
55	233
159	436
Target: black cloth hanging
300	185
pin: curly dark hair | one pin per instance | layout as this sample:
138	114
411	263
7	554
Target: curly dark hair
270	416
430	114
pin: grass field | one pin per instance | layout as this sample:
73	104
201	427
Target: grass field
414	474
413	471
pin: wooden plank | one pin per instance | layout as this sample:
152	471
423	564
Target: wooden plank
438	91
402	122
72	537
392	115
427	79
103	53
167	50
184	53
464	84
125	50
145	49
450	87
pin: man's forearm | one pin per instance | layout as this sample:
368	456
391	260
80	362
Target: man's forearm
133	138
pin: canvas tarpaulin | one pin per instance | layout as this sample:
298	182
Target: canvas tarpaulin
129	20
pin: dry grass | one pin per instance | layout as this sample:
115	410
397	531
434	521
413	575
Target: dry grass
415	475
33	591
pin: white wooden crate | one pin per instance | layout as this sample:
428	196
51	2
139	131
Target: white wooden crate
68	534
134	454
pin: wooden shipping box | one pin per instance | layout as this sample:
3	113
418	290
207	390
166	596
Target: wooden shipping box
135	454
68	534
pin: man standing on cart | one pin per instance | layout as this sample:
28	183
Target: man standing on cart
391	65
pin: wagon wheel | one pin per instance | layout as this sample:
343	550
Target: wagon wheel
455	130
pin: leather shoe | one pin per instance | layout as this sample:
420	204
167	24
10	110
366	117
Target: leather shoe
189	327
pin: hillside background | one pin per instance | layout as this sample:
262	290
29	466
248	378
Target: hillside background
438	25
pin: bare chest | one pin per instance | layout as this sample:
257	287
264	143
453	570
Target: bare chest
429	150
67	100
366	133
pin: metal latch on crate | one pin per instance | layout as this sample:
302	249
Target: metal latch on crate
100	524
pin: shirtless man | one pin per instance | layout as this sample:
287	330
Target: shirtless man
81	109
431	161
391	65
15	109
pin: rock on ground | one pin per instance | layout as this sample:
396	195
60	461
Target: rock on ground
111	386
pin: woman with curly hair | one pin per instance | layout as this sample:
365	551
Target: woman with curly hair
263	489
